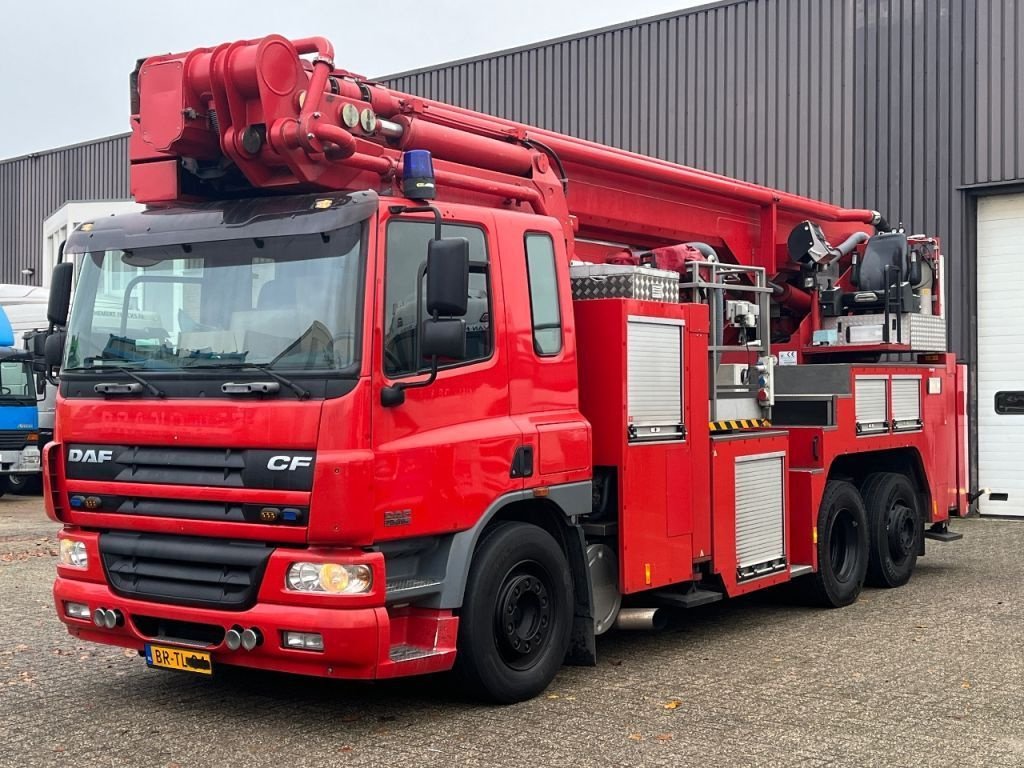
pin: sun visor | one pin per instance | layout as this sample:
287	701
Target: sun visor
224	220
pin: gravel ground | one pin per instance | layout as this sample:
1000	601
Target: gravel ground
928	675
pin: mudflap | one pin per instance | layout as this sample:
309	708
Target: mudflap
582	643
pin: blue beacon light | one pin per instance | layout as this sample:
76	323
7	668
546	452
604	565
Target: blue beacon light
418	175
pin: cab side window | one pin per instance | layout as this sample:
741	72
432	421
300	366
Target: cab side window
540	269
405	287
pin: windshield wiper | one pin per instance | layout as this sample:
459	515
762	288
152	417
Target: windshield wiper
116	388
302	393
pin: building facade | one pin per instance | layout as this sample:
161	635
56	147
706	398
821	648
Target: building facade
910	107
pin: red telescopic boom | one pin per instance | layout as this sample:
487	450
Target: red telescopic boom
256	114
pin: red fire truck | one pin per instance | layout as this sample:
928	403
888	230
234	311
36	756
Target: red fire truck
378	386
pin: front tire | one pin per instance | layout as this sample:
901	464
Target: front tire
23	485
842	547
516	617
896	526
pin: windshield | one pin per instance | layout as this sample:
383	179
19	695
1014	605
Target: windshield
287	302
16	382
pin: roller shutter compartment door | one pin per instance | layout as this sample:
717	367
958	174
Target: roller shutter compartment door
1001	354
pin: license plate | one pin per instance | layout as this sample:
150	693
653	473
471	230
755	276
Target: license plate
183	659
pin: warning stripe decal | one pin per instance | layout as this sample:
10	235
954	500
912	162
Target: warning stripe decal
734	424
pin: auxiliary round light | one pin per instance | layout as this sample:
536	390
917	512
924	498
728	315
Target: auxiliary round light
334	578
304	577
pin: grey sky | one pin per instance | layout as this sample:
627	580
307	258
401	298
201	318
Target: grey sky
64	65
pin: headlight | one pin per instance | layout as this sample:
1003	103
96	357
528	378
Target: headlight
329	578
73	553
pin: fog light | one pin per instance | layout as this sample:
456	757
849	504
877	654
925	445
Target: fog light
329	578
73	553
77	610
304	641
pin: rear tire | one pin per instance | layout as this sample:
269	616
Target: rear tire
896	527
516	617
842	547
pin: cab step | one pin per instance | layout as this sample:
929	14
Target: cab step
941	532
691	598
404	588
404	652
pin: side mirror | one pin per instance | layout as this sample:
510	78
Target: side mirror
444	338
60	294
448	277
36	343
55	349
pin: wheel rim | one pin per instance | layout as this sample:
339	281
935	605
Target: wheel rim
842	544
522	616
901	531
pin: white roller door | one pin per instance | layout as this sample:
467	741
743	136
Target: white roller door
1001	353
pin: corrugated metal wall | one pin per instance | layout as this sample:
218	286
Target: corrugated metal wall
887	104
34	186
749	89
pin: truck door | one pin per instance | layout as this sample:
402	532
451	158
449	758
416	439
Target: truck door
445	453
543	383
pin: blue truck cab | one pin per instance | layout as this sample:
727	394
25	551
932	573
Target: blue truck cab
19	414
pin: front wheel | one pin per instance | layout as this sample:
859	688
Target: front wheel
842	547
516	616
24	485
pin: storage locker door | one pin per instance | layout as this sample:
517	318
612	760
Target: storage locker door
871	393
760	521
906	402
654	354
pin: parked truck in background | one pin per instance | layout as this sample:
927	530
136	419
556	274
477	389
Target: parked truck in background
21	394
378	386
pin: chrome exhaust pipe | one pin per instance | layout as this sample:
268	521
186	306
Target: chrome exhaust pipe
233	638
641	618
251	638
107	618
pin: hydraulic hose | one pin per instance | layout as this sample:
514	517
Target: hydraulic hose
846	247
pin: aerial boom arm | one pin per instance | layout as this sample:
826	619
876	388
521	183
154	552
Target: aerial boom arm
256	115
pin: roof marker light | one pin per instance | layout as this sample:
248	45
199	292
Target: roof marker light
418	175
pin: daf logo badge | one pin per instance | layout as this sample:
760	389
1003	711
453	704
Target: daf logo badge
89	456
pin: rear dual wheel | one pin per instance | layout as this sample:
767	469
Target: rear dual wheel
842	547
896	528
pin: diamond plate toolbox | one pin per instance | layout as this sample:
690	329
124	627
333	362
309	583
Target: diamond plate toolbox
622	281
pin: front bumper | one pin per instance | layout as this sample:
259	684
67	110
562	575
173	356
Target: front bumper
355	640
363	638
25	461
